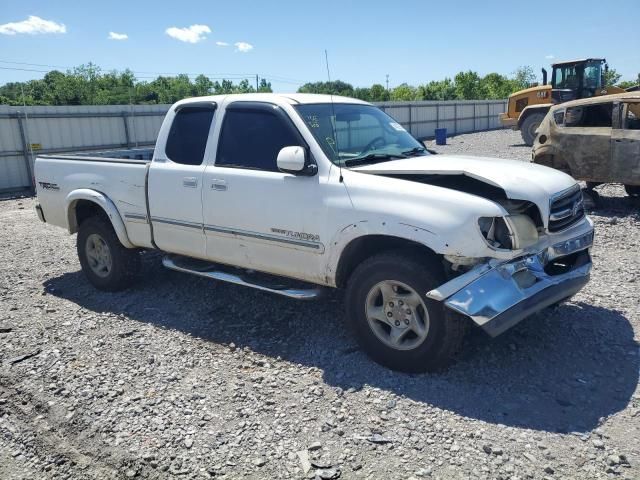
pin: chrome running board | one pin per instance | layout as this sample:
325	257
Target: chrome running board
213	272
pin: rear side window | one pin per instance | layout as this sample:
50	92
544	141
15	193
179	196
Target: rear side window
252	139
598	115
188	134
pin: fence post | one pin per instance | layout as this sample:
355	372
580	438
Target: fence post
26	149
126	128
410	129
455	119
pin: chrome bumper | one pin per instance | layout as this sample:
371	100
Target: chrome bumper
496	297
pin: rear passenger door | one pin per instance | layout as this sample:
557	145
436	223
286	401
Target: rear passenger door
586	140
256	216
625	144
175	182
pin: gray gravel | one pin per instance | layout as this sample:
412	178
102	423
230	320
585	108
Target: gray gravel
184	378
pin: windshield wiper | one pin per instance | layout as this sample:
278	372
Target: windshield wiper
372	158
414	151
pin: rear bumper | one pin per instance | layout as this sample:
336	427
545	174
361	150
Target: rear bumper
503	295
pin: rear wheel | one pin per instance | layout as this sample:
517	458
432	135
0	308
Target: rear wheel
394	321
529	127
632	190
106	263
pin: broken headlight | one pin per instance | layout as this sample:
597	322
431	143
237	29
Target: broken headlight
511	232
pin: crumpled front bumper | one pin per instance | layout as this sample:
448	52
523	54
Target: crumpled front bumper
498	296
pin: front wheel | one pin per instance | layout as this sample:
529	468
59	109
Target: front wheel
106	263
529	127
394	321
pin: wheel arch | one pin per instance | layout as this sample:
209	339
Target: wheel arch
84	203
363	247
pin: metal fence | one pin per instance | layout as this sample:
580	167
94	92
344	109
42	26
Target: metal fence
27	132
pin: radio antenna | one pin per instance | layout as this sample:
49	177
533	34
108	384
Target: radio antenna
333	113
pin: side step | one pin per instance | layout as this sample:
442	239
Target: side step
217	272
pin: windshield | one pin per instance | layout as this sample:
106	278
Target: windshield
568	76
365	134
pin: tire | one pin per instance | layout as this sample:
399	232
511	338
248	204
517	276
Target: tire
443	331
591	199
107	264
529	127
632	190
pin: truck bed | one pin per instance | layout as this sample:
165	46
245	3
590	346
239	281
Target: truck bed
118	174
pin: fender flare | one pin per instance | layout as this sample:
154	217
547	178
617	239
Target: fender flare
103	202
366	228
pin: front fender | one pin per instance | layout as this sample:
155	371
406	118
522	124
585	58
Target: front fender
103	202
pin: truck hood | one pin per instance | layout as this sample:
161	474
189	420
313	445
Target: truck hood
493	178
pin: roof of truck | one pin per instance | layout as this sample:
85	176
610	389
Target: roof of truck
290	98
635	96
581	60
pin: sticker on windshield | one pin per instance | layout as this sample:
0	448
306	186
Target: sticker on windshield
397	126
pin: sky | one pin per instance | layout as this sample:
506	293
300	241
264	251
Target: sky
284	41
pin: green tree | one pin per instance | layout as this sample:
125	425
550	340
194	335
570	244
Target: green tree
523	77
403	93
362	94
335	87
611	77
264	86
469	86
437	90
378	93
496	86
203	85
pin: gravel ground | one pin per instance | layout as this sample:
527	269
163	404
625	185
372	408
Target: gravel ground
182	377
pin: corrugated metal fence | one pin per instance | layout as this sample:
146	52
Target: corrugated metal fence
27	132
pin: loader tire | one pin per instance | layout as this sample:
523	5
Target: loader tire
529	127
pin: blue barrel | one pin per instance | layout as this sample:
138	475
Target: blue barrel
441	136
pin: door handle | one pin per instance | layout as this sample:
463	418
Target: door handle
190	182
219	184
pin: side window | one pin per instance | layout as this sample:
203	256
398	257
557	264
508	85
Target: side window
252	139
598	115
188	134
633	116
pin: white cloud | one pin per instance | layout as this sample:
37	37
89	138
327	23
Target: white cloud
118	36
243	47
32	26
193	34
550	57
222	44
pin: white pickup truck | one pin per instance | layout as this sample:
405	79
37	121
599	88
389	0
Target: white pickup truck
292	193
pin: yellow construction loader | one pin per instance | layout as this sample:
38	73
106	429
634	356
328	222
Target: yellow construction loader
569	81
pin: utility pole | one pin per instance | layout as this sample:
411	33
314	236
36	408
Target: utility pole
257	83
387	82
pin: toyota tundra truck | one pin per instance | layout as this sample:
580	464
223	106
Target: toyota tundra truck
295	194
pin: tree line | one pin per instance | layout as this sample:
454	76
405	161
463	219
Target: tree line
89	85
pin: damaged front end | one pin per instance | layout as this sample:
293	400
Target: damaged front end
498	294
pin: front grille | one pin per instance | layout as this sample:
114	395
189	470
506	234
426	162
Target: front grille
566	209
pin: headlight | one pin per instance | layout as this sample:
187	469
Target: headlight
511	232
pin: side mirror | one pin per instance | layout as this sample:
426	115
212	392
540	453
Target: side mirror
295	160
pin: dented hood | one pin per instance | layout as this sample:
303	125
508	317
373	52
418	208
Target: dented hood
519	180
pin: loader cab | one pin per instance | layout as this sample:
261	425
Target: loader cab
578	79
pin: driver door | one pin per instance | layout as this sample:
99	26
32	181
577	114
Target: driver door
256	216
